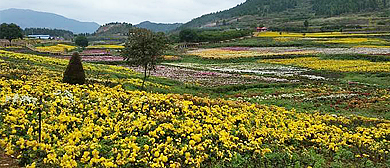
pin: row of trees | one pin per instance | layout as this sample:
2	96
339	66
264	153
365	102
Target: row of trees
192	35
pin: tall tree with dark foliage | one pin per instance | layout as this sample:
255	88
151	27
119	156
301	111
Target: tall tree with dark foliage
10	31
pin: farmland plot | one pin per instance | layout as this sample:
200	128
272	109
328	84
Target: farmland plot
259	106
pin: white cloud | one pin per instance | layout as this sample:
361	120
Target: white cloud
133	11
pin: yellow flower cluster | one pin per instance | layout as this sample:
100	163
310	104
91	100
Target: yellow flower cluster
352	40
100	126
59	48
105	47
171	57
334	65
314	35
227	54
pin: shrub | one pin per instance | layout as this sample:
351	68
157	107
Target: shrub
74	73
188	35
10	31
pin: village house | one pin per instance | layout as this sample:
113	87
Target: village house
262	29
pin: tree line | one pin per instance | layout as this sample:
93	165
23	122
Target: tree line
198	35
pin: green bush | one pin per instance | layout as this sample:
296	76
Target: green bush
74	73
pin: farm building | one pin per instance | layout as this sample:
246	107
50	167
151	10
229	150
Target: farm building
261	29
39	36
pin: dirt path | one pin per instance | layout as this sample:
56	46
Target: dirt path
7	162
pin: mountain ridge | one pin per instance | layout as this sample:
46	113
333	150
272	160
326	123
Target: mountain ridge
292	13
27	18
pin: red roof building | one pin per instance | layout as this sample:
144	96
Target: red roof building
261	29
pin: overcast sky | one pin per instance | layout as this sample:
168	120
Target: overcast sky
132	11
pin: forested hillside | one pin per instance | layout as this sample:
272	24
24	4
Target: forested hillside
121	29
337	7
115	28
291	10
158	27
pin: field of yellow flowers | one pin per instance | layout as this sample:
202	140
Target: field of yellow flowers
102	124
317	35
228	53
353	40
317	40
59	48
105	47
334	65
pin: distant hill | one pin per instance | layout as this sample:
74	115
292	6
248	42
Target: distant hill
370	14
33	19
158	27
114	29
121	29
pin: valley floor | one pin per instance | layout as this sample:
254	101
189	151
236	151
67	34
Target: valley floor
219	107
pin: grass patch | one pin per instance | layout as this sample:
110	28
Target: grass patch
372	58
380	79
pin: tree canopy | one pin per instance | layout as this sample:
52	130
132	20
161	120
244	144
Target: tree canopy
188	35
10	31
144	48
81	41
199	35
